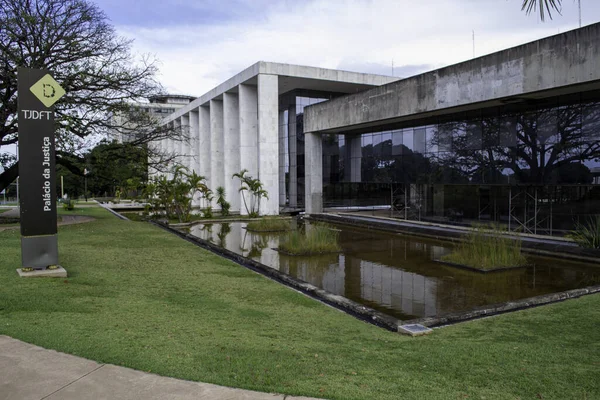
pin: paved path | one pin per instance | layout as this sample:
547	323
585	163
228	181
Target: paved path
31	372
63	220
12	213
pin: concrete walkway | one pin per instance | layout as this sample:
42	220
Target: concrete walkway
31	372
62	220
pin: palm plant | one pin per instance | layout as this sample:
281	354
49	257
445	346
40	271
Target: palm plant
255	187
544	6
200	188
242	176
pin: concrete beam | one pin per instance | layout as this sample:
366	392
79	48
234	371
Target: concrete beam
567	60
301	72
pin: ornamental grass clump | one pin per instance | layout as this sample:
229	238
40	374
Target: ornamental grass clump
269	225
316	239
487	248
587	235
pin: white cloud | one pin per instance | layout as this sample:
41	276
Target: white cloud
330	34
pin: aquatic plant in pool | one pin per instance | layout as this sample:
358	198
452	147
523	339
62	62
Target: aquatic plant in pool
316	239
487	248
269	225
587	235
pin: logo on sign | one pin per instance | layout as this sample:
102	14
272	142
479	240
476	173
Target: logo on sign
47	90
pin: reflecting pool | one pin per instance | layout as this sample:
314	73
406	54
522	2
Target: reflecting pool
397	274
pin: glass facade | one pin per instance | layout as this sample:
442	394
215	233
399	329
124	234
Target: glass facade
531	167
291	138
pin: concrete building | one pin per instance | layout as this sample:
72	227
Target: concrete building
511	137
157	107
250	122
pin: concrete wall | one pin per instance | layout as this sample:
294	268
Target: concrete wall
562	60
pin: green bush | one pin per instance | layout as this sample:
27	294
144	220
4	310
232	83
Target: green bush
68	205
587	235
174	197
487	248
269	225
224	204
316	239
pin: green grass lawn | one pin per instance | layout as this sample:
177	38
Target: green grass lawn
140	297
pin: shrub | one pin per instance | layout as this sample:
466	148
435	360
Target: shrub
174	196
316	239
68	205
269	225
487	248
587	235
224	204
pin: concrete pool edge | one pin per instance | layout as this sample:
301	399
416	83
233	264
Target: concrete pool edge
510	306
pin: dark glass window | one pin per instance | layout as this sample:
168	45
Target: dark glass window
420	140
397	142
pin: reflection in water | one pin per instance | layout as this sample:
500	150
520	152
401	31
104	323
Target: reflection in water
396	274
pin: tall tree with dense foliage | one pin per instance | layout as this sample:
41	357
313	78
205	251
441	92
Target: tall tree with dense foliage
75	42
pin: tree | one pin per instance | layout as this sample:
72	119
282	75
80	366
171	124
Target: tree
75	42
531	147
111	166
255	187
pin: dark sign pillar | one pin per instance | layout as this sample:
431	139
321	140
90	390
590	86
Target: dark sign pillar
37	92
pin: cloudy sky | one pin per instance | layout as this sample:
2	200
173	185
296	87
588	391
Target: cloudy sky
201	43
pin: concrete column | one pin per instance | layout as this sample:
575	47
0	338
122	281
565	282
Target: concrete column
353	158
216	145
313	159
194	142
231	128
282	133
184	144
170	150
248	117
268	142
204	141
292	147
177	151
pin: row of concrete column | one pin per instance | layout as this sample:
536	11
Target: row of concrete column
224	137
235	131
